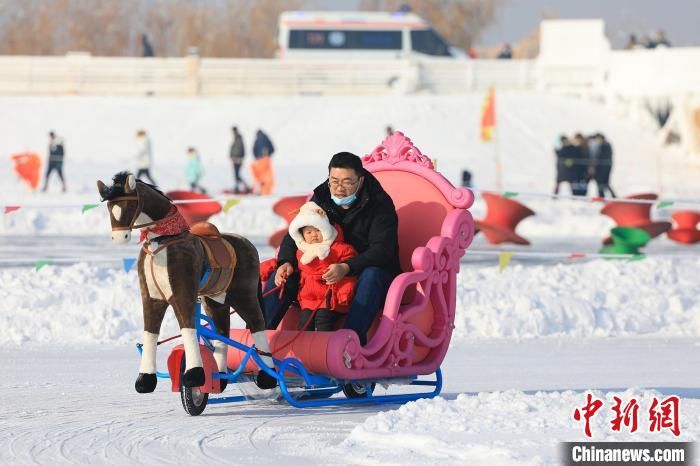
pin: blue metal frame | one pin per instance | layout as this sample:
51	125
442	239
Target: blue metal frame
316	390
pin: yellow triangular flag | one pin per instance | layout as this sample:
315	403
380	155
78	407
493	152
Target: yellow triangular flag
503	260
230	203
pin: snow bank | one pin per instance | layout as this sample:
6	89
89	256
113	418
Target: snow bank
592	299
504	428
72	305
656	297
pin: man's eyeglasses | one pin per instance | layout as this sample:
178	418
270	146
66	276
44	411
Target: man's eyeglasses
346	183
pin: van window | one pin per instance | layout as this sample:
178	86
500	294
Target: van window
428	42
345	39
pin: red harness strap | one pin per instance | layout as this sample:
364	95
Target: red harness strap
172	224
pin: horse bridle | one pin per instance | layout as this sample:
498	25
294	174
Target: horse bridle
139	209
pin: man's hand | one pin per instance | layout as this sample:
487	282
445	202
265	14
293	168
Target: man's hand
284	271
335	273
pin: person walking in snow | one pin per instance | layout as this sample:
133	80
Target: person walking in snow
601	165
237	154
320	245
262	147
579	180
144	156
261	168
57	152
566	155
193	170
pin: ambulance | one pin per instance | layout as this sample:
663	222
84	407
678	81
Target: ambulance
360	35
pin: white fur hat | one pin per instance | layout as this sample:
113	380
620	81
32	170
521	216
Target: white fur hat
310	214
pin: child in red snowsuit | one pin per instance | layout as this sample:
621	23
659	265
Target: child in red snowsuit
319	246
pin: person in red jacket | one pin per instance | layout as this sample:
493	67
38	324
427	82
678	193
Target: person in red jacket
320	245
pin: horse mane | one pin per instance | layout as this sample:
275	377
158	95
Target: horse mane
118	183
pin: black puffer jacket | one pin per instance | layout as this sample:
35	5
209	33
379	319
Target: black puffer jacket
370	226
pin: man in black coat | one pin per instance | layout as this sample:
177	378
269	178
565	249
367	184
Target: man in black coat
57	152
237	154
569	165
353	198
562	174
601	165
147	47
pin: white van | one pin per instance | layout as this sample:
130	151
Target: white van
359	34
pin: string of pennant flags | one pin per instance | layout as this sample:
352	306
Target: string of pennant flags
504	258
659	203
226	204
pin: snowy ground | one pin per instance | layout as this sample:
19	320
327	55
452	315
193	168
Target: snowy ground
528	341
504	402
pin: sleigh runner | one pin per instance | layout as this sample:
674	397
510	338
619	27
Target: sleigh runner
407	341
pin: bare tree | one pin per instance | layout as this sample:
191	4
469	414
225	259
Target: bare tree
460	22
227	28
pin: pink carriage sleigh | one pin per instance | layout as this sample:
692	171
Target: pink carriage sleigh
411	335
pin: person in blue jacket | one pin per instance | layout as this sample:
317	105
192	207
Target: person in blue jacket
262	147
193	170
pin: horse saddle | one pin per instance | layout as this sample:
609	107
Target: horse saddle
221	259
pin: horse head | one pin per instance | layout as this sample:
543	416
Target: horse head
132	204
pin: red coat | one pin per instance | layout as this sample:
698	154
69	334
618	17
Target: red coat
312	288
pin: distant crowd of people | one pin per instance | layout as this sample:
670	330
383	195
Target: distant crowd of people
646	42
583	159
142	162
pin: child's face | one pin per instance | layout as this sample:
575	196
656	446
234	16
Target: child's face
311	235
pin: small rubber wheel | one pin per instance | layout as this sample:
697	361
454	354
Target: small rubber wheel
357	390
193	399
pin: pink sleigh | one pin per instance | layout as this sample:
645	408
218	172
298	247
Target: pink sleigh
413	332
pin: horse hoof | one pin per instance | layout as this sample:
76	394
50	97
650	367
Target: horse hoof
224	382
265	381
146	383
193	377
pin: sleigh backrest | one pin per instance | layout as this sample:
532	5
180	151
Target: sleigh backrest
422	196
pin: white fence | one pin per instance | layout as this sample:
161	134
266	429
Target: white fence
623	73
86	75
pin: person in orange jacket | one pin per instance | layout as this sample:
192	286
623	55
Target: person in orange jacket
320	245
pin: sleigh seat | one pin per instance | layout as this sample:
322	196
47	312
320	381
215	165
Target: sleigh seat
412	333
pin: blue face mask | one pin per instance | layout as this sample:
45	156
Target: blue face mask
344	201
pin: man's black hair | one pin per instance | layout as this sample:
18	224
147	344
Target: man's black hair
346	160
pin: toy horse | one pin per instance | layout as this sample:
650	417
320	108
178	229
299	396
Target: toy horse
177	264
